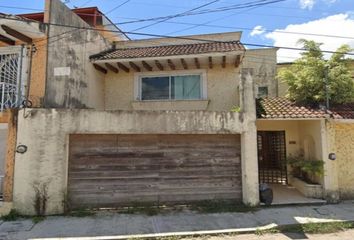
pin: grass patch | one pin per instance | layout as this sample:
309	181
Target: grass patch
140	208
221	206
81	213
38	219
312	228
321	228
13	215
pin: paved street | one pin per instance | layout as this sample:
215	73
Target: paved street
111	225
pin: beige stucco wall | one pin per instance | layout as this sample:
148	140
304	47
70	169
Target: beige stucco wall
297	133
222	88
292	133
222	83
45	132
344	140
311	129
263	62
225	36
282	86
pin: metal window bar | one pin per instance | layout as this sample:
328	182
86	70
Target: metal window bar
10	74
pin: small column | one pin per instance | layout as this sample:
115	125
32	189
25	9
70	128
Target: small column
330	179
249	156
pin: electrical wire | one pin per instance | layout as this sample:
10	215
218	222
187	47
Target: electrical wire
233	7
115	8
177	15
171	37
194	25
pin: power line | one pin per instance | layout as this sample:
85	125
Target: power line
198	25
115	8
177	15
201	24
172	37
222	9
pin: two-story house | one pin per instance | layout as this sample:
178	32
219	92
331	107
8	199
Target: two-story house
158	121
161	120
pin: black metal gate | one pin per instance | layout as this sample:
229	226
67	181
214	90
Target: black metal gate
272	157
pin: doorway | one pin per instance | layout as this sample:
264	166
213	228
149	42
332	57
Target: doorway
272	157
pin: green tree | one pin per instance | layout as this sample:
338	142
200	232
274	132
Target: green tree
306	77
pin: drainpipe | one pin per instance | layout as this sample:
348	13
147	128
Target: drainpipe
32	49
19	84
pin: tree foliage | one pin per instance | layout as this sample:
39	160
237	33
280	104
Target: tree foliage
306	77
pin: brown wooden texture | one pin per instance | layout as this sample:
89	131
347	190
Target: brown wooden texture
10	156
118	170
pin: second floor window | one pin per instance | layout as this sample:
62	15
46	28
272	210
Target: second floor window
184	87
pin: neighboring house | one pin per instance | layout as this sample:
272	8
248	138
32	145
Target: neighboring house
34	58
291	129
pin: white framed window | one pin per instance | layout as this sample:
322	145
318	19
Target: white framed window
171	86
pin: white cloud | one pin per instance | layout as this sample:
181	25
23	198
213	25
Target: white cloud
257	30
307	4
337	25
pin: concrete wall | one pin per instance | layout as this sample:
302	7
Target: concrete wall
292	133
263	62
282	86
344	139
72	81
228	36
3	140
45	132
222	88
310	139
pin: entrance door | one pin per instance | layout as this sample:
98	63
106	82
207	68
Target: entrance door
272	157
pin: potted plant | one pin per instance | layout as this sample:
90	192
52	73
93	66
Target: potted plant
305	176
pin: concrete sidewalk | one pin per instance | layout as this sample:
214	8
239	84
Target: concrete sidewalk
108	225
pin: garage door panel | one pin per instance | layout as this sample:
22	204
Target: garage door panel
121	169
114	184
192	197
147	174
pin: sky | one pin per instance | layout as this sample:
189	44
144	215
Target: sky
280	24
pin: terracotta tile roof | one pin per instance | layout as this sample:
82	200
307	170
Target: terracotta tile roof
279	107
169	50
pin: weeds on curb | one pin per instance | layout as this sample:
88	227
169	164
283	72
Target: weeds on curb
13	215
38	219
312	228
81	213
221	206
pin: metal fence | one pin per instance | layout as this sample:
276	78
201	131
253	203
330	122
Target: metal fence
8	96
11	75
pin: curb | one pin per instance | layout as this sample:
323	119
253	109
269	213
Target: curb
169	234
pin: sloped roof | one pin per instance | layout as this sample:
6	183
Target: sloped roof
280	107
169	50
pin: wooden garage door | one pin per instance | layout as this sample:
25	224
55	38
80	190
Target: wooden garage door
118	170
